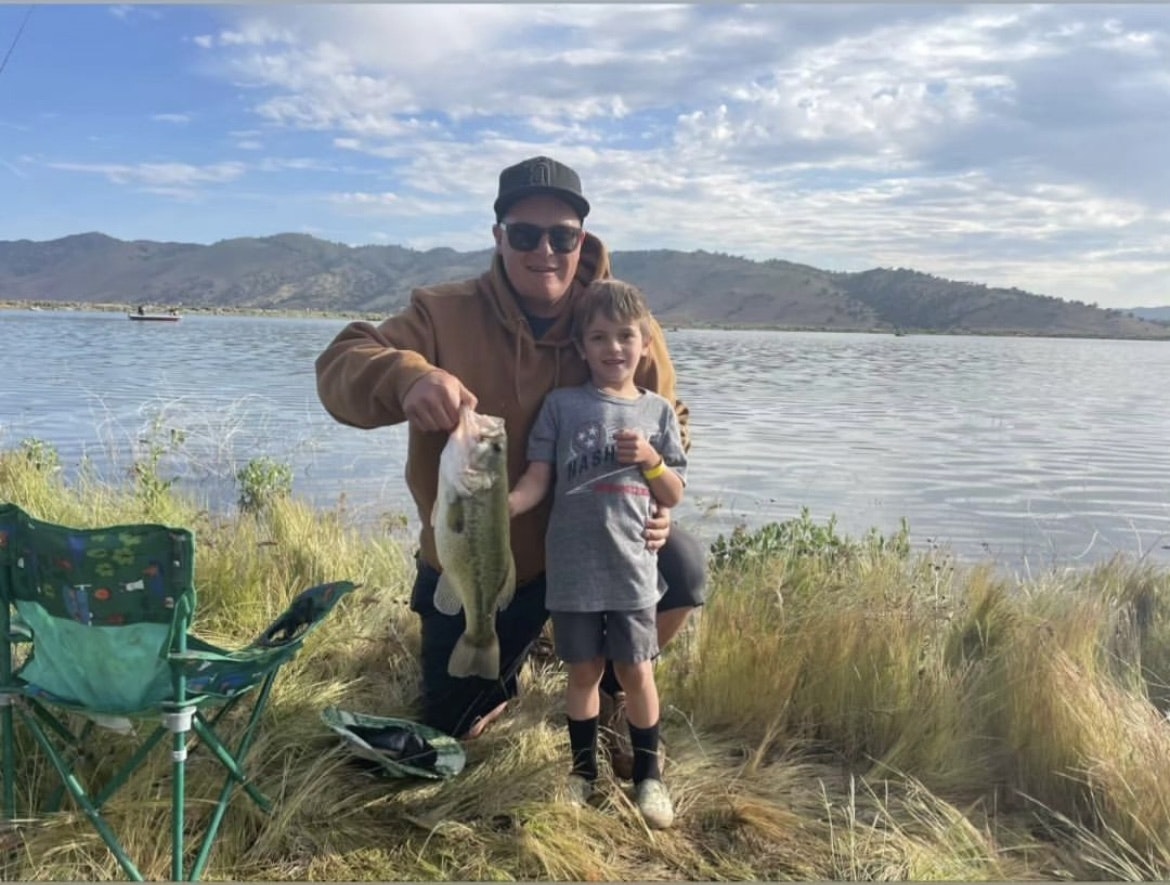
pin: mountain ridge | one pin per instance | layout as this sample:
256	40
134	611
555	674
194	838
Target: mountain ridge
294	271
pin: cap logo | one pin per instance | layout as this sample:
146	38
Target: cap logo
540	174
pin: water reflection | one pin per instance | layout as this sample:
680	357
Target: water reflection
1037	449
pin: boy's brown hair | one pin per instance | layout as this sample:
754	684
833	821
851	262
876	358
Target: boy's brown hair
619	301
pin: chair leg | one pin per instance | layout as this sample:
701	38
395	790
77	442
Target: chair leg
178	723
76	746
9	750
81	797
71	740
123	775
50	720
235	773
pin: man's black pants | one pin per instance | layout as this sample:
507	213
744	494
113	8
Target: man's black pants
452	704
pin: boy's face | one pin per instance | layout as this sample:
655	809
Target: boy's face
612	349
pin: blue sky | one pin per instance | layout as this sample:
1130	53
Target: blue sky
1016	145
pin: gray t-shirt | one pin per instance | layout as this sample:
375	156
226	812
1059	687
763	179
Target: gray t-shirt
597	557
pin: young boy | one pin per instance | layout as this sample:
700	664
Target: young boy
615	448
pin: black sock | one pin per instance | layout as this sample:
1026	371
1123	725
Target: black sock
609	680
645	743
583	743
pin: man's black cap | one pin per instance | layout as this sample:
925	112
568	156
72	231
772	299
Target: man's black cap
540	175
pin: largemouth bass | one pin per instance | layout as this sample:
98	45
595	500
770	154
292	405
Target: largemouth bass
473	540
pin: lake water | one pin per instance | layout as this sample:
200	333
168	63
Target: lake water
1031	452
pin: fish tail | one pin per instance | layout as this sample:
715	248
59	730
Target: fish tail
470	659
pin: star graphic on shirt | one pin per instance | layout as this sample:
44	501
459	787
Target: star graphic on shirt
589	437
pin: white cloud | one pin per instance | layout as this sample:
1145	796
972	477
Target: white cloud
125	11
158	175
297	164
255	32
361	199
1012	144
388	204
179	119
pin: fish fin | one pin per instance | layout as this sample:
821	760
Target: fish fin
508	588
447	599
469	659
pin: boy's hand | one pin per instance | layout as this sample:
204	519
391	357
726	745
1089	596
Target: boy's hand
633	448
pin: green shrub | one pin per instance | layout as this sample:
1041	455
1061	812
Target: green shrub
802	537
41	455
263	480
149	484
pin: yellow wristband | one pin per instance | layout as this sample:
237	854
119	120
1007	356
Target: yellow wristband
656	471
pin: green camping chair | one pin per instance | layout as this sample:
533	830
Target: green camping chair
98	621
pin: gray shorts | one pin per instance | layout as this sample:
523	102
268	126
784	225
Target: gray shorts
628	637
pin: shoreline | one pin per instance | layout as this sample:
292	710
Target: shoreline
181	309
667	324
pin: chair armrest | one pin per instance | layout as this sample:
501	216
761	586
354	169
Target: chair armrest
223	672
215	671
303	615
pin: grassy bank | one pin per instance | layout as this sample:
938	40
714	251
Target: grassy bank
845	710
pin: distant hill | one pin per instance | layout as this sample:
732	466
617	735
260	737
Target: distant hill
1157	314
300	272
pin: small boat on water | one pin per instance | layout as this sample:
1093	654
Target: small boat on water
142	316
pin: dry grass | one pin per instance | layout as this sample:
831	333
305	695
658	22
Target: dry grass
874	718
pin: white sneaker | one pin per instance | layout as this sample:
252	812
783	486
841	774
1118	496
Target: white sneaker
654	803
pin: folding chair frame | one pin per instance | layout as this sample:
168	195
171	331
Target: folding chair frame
201	676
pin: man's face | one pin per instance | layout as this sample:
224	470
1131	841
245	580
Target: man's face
541	275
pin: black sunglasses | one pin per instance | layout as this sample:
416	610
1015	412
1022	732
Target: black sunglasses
525	237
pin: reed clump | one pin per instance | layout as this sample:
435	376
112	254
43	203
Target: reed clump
845	709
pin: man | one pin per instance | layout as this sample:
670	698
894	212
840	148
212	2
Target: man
498	343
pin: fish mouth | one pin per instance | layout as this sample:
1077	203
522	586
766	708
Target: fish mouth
485	436
479	423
